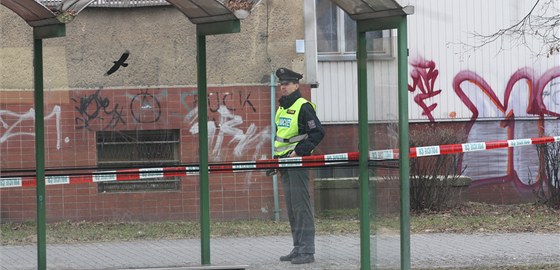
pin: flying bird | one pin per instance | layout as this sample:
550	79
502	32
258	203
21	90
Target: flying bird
118	63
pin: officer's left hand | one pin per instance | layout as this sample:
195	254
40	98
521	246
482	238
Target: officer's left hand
293	154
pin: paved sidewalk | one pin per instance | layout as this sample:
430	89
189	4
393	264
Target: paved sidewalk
259	253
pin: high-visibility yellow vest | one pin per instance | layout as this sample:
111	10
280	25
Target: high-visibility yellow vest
287	136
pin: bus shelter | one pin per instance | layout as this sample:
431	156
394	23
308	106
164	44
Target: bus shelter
372	16
213	18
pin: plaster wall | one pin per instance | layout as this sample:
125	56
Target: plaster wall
162	45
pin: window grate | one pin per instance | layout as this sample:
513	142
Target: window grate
129	149
140	186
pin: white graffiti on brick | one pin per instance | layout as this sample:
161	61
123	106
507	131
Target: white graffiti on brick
244	141
11	120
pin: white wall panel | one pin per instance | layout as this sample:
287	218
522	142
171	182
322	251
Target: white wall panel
441	32
338	91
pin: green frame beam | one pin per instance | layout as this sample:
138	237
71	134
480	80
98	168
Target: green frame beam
39	33
404	144
40	153
379	24
364	26
49	31
363	132
203	149
217	28
202	30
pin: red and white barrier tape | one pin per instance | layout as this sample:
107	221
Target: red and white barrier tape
265	164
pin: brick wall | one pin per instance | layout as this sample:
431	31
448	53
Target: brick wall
241	115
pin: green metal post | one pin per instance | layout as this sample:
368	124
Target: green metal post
40	152
404	143
203	149
39	33
203	30
363	147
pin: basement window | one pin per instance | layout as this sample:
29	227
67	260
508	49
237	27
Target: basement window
138	149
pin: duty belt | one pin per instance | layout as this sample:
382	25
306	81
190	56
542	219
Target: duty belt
294	139
284	155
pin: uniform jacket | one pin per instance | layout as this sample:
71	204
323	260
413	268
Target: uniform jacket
308	123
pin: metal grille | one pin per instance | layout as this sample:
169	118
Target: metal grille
135	148
166	184
141	147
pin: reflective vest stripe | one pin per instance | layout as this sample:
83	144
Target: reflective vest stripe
284	149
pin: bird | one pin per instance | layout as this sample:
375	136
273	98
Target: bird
118	63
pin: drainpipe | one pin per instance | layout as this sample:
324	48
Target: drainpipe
273	135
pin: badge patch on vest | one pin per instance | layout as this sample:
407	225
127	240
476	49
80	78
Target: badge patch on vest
291	111
284	122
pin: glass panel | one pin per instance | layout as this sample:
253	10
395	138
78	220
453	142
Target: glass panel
376	41
374	38
329	37
211	7
384	187
112	3
190	9
353	6
379	5
327	31
350	34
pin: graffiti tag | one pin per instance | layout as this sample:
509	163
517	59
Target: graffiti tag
96	108
217	100
10	128
145	108
244	141
424	75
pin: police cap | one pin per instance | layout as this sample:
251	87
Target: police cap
287	75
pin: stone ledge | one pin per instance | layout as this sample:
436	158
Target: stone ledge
343	193
348	182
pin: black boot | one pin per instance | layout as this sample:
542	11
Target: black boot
303	258
289	257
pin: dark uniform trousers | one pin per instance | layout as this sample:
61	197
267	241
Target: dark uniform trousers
300	212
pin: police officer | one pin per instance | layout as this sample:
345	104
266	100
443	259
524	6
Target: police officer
298	132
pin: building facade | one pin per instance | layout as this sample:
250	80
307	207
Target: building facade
145	114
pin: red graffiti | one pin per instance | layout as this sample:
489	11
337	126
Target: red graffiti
535	85
536	89
424	75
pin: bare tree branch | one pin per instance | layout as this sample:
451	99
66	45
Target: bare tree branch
535	25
